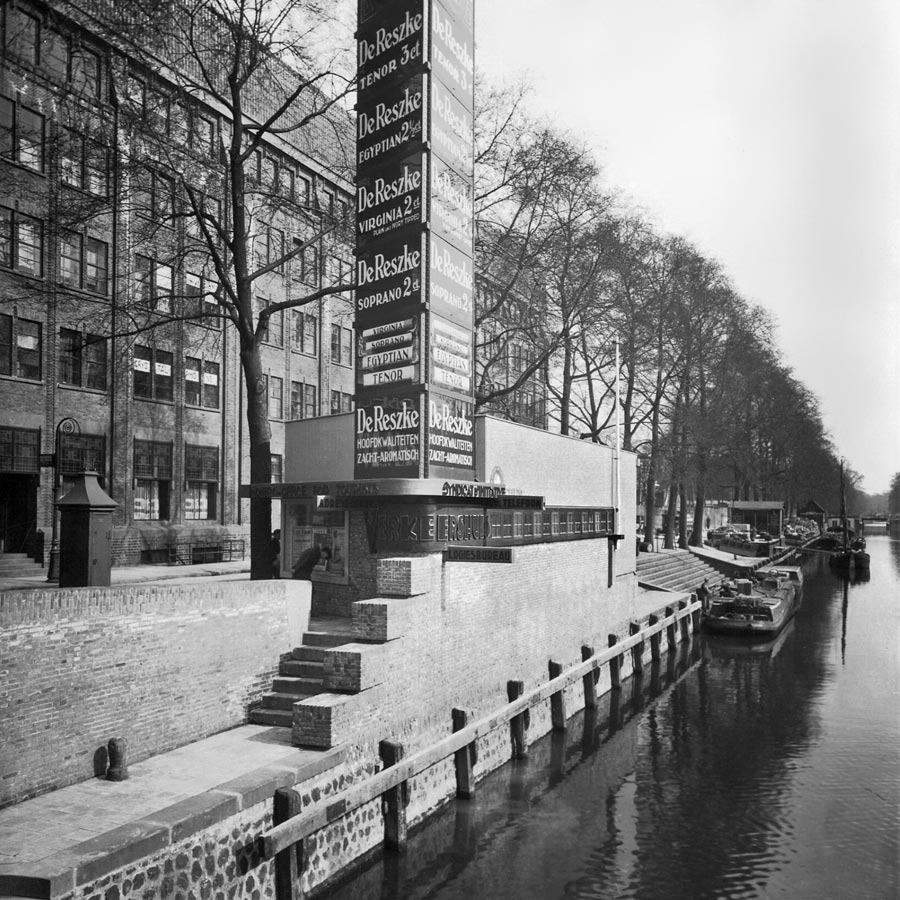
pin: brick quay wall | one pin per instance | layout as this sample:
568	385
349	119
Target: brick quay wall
157	665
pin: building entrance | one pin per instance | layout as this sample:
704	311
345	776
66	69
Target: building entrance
18	515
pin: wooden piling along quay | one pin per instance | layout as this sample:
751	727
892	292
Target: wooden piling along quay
284	841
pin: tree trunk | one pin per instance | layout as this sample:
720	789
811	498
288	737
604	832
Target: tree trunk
260	461
682	516
671	511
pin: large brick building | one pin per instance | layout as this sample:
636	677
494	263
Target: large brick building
98	269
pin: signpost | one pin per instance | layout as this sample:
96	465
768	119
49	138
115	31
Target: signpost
414	240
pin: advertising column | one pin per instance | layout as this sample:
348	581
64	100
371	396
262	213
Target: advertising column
414	240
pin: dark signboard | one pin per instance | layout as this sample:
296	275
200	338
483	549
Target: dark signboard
451	126
394	123
450	281
479	554
452	57
389	282
388	437
390	45
451	209
390	199
451	436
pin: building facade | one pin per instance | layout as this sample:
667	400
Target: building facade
115	354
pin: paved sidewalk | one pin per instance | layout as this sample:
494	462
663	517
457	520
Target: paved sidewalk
61	838
239	568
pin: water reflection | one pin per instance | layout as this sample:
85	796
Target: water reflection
731	770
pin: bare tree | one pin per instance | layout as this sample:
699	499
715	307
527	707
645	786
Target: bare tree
229	209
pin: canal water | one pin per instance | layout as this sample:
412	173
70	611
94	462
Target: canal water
732	771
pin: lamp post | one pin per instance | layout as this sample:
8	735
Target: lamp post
67	425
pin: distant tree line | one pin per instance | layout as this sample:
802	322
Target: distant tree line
565	267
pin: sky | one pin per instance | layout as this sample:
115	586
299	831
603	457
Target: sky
767	133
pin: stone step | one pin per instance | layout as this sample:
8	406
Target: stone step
324	639
264	716
308	654
279	700
303	687
297	668
20	568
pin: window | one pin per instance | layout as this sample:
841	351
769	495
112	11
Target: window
200	299
286	180
83	263
304	332
273	331
20	348
85	72
341	402
152	373
80	453
304	189
54	54
341	345
201	474
21	242
203	134
303	400
209	210
275	394
153	479
201	383
153	284
162	203
269	244
82	359
21	135
308	261
19	449
276	464
22	35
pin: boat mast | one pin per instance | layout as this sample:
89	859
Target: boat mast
844	510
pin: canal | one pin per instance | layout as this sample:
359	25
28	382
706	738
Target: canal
732	771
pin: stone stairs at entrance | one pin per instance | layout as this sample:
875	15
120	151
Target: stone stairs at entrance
301	674
19	565
675	570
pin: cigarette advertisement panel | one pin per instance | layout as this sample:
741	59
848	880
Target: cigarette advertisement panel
390	44
389	199
450	356
388	354
452	47
451	208
389	282
395	123
451	436
450	281
389	436
451	129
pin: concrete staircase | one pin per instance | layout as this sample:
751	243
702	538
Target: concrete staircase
675	570
19	565
301	674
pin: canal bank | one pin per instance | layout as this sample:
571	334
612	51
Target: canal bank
189	819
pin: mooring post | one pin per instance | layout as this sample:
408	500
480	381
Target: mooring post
685	621
670	628
637	651
557	700
464	759
654	639
695	616
394	800
614	676
289	863
590	679
517	724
